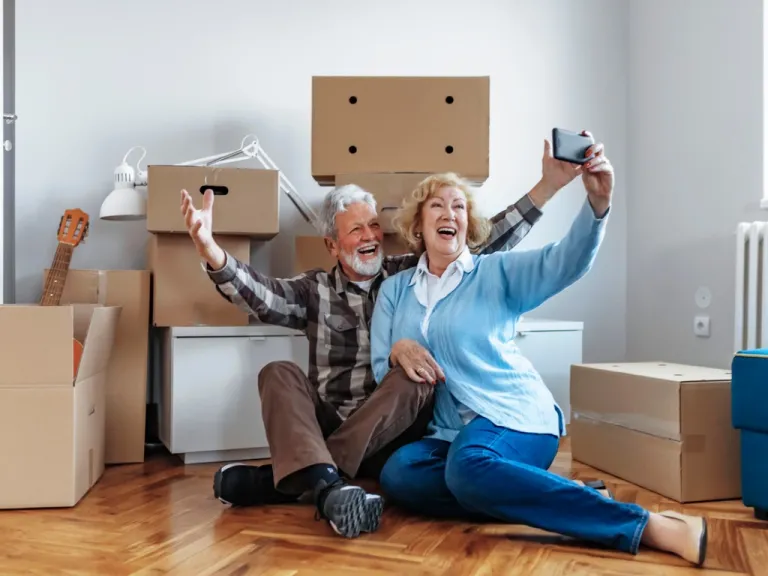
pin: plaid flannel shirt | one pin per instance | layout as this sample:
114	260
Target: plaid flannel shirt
335	314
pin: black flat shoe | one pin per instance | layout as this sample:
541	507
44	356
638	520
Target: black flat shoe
239	484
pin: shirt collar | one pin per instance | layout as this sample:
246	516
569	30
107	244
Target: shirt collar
343	283
465	263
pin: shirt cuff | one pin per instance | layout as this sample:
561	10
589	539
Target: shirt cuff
224	274
528	209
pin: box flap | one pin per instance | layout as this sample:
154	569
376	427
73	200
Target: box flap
97	346
36	345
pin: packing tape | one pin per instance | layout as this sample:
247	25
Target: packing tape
669	429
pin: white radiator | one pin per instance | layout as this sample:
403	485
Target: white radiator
751	320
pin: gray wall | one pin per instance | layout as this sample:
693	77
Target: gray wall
695	140
95	78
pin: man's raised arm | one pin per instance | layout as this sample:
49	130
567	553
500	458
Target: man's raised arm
274	301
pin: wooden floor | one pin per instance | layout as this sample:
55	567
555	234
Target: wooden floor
160	518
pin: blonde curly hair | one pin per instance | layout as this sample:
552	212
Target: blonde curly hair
408	216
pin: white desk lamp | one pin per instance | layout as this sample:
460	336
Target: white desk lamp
125	202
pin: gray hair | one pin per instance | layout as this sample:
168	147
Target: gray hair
337	201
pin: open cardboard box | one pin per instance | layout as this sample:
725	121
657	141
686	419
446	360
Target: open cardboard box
52	418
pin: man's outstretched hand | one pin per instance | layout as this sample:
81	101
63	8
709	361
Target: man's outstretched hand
199	224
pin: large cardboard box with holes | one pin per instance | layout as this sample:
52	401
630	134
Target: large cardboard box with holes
126	394
388	189
182	292
369	124
665	427
52	418
246	200
311	253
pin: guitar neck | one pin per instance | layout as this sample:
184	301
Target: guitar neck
57	276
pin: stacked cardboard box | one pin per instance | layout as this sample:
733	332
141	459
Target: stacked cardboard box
126	379
246	207
665	427
386	134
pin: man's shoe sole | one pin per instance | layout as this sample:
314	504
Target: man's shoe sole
355	513
375	506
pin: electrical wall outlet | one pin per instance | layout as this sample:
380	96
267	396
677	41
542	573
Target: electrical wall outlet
701	326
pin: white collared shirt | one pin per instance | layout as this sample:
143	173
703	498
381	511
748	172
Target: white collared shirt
430	289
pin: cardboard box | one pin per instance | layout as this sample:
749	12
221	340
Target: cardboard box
311	252
182	292
126	388
388	189
52	421
665	427
246	201
371	124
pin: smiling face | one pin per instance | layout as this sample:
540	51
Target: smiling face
358	242
444	223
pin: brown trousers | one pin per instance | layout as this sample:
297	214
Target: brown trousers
303	430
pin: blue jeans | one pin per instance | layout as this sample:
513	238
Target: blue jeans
494	473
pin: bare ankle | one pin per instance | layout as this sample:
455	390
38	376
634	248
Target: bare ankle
665	534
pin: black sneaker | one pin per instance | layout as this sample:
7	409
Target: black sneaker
243	485
348	509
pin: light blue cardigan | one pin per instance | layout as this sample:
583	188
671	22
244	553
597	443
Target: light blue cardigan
471	331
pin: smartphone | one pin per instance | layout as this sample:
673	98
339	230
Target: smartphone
570	146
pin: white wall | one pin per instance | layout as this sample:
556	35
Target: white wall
190	78
695	148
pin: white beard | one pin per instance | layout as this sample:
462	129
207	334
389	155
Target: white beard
370	268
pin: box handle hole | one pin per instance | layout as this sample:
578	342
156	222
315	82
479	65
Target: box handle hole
449	149
353	149
217	190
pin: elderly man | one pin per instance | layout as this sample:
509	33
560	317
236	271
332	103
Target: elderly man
334	422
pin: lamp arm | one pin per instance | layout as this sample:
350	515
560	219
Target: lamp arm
245	152
254	150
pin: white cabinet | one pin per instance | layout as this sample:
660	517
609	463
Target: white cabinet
552	346
210	409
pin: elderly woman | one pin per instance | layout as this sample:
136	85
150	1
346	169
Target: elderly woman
495	428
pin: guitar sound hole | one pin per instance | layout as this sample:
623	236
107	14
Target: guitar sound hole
353	149
449	149
217	190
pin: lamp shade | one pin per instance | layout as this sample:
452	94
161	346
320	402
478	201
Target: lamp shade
125	202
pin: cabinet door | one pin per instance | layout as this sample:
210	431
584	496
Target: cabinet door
215	395
552	354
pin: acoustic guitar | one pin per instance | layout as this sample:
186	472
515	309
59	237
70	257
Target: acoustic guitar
73	229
